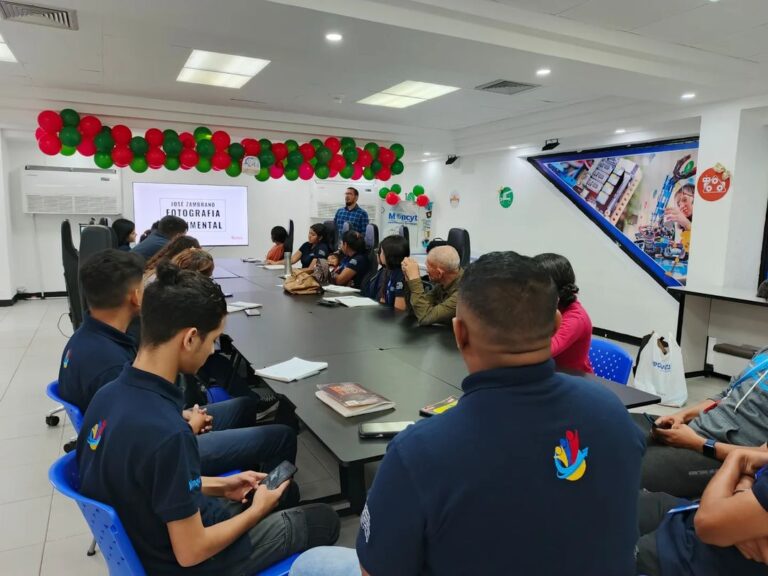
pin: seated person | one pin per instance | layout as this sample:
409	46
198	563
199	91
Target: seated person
355	265
446	500
168	228
174	247
111	283
726	536
570	345
315	247
439	304
136	453
391	288
195	259
125	230
276	254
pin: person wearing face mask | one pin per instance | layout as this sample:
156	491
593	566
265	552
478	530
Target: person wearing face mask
439	304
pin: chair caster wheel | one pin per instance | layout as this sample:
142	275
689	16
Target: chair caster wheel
69	446
52	420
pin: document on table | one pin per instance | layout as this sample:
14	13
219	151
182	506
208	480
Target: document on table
340	289
293	369
274	266
352	301
240	306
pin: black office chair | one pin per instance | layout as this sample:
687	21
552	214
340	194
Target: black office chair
331	235
372	237
95	239
289	240
405	233
459	239
70	259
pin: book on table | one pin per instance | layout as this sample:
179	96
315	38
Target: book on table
291	370
240	306
352	301
349	399
332	288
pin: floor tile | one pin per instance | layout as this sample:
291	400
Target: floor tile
310	468
318	489
29	450
66	519
21	561
15	425
350	526
25	482
24	523
66	557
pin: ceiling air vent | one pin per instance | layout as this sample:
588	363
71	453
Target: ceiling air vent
42	15
506	87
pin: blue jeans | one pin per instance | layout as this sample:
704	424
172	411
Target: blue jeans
327	561
236	444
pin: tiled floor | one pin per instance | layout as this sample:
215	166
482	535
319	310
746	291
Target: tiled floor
44	533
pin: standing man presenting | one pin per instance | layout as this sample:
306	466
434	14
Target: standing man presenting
352	213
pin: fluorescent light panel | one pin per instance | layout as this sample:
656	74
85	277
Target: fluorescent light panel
223	70
5	52
407	94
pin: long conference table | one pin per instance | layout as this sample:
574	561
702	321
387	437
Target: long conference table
383	350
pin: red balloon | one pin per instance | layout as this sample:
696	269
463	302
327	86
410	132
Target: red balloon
187	140
221	160
188	158
364	159
122	136
89	126
50	121
122	156
277	171
357	173
86	147
252	146
154	137
39	133
49	144
333	144
386	156
332	173
384	174
220	140
392	198
306	171
155	158
280	151
422	201
307	150
337	163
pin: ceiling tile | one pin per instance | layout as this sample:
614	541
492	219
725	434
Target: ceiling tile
628	15
543	6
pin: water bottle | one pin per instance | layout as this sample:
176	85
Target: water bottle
287	264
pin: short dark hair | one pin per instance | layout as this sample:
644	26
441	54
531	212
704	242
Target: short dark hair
155	224
172	225
279	234
396	249
180	299
107	276
512	296
123	228
435	243
354	240
321	231
354	190
562	274
174	247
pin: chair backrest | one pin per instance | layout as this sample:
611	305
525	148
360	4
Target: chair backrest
289	240
70	259
372	237
104	221
75	416
610	361
332	235
94	238
459	239
115	546
405	232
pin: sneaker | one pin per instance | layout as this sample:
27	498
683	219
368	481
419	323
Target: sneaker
267	404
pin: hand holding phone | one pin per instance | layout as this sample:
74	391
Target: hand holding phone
284	471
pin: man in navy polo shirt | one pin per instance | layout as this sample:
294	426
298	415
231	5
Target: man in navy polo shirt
168	228
137	454
532	473
112	285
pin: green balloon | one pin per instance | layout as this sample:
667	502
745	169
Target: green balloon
418	190
174	147
172	163
313	162
368	174
69	136
68	150
350	154
398	150
139	147
316	143
347	142
323	155
291	174
69	117
376	166
397	167
205	148
201	133
383	192
104	142
203	164
347	171
139	164
263	175
106	130
291	145
396	188
373	149
103	159
267	158
236	151
411	197
265	144
169	134
234	169
295	159
322	172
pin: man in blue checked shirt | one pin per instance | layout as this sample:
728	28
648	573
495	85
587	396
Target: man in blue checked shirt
352	213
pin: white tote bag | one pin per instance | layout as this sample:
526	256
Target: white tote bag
660	371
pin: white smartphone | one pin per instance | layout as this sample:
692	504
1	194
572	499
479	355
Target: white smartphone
252	312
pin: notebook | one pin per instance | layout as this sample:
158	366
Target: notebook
291	370
340	289
239	306
352	301
350	399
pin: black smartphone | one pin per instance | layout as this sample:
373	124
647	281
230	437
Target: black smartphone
228	295
381	429
284	471
252	312
328	303
652	422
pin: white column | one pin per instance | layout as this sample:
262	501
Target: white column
6	282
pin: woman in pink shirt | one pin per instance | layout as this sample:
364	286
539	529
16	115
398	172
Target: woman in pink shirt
570	344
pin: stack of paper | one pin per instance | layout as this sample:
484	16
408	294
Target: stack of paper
293	369
352	301
240	306
340	289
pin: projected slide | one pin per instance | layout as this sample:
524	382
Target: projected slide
217	215
640	195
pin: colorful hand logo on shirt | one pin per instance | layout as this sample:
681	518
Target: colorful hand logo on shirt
95	436
570	462
66	358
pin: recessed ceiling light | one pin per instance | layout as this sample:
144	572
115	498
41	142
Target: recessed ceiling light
334	37
407	94
223	70
513	147
620	131
427	153
5	52
543	72
688	96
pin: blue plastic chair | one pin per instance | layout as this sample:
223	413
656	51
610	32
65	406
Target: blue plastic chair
107	529
610	361
73	412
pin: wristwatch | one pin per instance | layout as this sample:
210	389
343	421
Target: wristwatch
709	448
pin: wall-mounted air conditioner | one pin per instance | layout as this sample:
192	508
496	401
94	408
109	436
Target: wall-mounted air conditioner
59	190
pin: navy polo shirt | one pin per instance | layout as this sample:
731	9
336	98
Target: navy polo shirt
533	472
151	245
136	453
94	356
359	263
309	252
395	286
